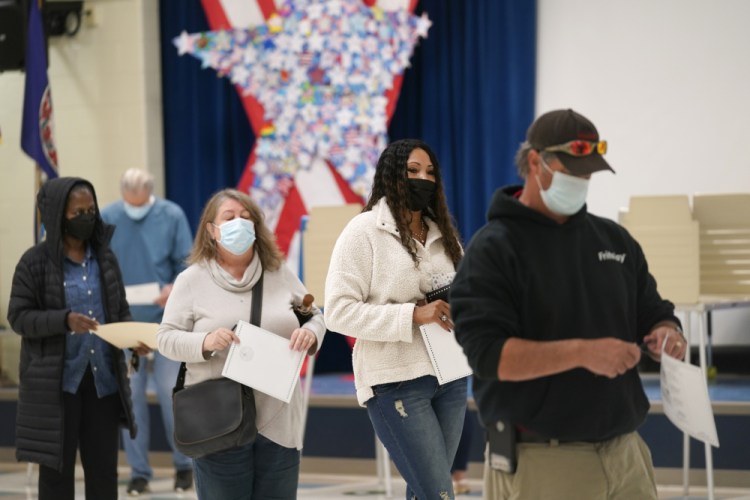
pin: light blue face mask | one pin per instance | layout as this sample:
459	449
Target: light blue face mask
138	212
566	194
237	235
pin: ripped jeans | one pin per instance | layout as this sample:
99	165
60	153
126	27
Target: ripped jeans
420	424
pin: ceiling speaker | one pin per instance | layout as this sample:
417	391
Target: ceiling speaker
12	34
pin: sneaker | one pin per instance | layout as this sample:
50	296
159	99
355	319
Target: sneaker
461	487
137	486
183	480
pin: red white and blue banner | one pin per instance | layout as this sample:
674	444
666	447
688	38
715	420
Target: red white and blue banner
319	80
37	130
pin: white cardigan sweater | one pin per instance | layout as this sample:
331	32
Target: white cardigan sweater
203	300
370	294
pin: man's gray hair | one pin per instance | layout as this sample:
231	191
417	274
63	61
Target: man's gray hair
522	158
135	180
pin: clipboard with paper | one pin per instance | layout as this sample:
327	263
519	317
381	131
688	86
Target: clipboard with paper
262	360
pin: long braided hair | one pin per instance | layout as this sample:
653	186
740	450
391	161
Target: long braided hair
391	182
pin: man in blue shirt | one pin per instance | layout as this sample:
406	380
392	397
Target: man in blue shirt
152	240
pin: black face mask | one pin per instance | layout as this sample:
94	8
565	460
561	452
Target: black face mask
421	192
80	226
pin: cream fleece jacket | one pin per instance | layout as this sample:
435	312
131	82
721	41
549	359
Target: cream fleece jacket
199	304
370	294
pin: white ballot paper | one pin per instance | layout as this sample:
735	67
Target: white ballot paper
446	355
684	394
128	333
262	360
142	295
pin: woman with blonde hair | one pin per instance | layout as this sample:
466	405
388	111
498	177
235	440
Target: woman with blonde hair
233	249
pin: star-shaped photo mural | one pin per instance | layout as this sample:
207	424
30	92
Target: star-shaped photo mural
320	69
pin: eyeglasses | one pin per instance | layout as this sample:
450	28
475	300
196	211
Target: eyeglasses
579	148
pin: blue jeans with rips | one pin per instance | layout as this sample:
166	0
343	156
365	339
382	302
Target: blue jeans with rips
419	422
163	371
257	471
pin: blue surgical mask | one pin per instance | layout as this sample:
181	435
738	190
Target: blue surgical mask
138	212
566	194
237	235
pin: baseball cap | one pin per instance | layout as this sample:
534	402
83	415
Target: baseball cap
564	125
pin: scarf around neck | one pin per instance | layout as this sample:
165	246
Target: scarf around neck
226	281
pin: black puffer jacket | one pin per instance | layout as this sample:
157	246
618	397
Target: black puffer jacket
37	312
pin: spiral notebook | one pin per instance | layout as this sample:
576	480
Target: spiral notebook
445	353
262	360
438	293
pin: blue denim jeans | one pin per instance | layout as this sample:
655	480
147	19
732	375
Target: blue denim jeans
261	470
420	423
163	372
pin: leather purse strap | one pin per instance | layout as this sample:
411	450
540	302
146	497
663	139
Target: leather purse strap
256	308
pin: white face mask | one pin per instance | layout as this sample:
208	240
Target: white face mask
139	212
566	194
237	235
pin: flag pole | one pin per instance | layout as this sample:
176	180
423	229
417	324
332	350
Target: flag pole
37	215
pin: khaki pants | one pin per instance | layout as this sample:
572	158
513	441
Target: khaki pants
618	469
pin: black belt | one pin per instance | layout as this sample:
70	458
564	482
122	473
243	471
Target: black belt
524	436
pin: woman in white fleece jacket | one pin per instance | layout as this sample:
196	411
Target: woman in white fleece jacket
401	246
232	248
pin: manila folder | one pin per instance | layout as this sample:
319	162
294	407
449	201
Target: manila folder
128	333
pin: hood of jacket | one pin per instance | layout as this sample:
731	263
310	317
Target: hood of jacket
51	201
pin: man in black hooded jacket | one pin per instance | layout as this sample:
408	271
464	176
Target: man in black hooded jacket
74	393
552	306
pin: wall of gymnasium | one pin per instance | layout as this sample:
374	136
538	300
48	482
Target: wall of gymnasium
106	94
666	85
664	82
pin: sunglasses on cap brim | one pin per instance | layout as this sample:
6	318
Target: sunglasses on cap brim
578	148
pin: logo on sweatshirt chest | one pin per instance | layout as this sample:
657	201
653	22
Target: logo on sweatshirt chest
607	255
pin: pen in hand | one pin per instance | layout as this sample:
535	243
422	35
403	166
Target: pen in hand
218	340
234	328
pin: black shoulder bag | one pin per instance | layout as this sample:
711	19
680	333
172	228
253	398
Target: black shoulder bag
217	414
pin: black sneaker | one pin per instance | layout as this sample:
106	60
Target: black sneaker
183	480
137	486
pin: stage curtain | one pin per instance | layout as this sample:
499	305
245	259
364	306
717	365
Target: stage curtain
207	136
470	95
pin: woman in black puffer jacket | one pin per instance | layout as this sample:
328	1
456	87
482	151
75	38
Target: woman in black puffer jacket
74	393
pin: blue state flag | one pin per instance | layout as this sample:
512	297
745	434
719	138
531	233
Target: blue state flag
37	130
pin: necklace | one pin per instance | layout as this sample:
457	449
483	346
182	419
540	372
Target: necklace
421	236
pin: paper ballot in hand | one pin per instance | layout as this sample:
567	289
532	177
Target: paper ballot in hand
262	360
684	394
142	295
